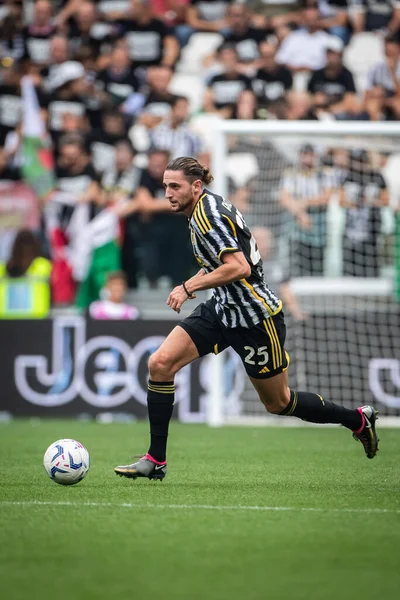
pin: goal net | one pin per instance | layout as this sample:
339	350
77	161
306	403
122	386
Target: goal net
320	199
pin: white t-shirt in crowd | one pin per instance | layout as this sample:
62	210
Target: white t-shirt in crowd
303	49
104	309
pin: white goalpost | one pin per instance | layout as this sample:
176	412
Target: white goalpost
320	198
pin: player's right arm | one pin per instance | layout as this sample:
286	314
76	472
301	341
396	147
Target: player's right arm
234	267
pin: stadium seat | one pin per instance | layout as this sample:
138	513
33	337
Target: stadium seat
200	44
204	124
391	173
363	52
190	86
241	167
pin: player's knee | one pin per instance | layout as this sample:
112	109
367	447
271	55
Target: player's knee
278	402
161	365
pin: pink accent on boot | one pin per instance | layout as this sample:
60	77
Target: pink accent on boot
358	431
149	457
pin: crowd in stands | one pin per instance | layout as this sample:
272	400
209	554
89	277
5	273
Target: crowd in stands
108	79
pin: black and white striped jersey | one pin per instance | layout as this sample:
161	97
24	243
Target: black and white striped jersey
217	227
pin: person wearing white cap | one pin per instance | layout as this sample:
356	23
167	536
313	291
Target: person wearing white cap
333	87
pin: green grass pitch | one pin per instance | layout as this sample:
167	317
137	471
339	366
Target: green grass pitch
244	513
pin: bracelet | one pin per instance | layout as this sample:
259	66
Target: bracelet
186	290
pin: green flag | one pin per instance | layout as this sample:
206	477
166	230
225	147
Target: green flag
38	163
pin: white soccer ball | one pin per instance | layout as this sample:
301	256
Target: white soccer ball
66	461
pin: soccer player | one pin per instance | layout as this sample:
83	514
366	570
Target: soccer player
243	313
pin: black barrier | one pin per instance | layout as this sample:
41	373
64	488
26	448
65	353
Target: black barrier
74	366
71	366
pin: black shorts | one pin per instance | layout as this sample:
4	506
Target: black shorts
260	347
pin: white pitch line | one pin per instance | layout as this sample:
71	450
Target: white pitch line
203	507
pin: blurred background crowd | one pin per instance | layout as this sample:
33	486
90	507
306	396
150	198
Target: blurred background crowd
112	90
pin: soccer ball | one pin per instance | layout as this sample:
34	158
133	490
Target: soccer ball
66	461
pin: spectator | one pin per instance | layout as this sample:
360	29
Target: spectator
305	195
276	12
223	90
363	194
76	179
333	86
7	171
37	35
59	54
149	40
246	106
10	105
299	108
245	37
304	49
158	99
87	33
66	96
118	79
208	15
103	140
12	47
271	81
24	280
113	306
335	17
73	93
163	235
276	273
382	97
174	134
120	180
376	15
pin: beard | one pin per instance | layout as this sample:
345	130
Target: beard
178	206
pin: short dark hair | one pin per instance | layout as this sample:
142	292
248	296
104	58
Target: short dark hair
72	139
391	38
127	144
116	275
227	46
177	99
191	169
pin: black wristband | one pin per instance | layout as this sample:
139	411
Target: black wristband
186	290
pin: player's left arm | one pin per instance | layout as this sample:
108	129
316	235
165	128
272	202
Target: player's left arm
234	267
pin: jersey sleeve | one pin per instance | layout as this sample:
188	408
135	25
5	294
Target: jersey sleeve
217	228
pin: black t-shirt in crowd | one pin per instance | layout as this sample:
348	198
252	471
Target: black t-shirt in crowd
271	86
99	39
10	109
363	221
10	174
118	86
247	43
74	183
145	42
211	10
37	44
58	106
378	13
226	89
334	87
155	186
